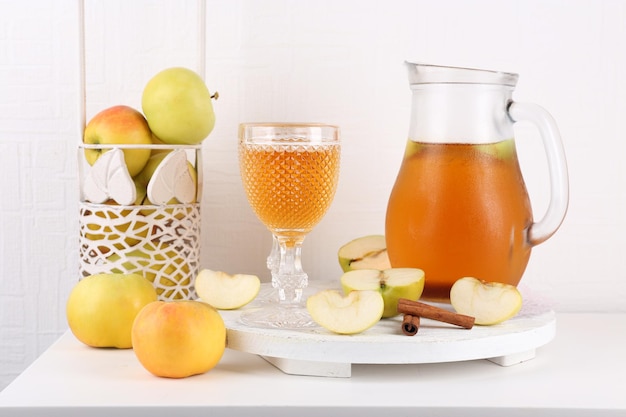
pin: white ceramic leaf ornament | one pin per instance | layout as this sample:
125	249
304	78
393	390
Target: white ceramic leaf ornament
172	179
94	184
109	178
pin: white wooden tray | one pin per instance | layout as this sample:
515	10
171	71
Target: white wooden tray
318	352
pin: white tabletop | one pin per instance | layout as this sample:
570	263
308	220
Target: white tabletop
581	372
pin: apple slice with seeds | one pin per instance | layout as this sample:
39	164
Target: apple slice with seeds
489	302
364	253
224	291
392	283
350	314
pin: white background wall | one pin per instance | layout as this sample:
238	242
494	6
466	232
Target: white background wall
325	60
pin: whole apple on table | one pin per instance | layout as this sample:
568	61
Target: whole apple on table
173	339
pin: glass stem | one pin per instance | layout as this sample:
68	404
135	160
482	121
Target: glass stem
273	259
289	278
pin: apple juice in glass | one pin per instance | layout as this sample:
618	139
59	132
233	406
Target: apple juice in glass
290	174
459	206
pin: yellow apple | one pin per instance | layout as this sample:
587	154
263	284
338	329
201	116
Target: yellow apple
165	268
113	226
488	302
178	107
393	284
366	252
177	339
225	291
101	308
350	314
119	125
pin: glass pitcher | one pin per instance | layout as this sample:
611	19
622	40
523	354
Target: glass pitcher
459	206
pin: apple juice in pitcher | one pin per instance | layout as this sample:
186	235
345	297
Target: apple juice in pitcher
459	206
437	222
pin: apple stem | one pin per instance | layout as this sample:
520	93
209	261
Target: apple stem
215	95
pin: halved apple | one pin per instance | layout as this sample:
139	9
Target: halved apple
349	314
489	302
225	291
392	283
365	252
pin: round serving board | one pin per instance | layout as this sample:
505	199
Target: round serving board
317	351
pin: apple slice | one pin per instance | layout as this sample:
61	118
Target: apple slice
392	283
366	252
350	314
224	291
489	302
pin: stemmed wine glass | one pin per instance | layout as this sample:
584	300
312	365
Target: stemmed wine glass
290	173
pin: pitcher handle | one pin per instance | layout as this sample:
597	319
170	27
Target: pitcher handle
542	230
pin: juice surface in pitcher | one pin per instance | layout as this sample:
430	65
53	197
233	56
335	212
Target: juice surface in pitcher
459	210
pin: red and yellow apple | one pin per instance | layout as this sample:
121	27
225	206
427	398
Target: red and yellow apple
101	308
119	125
178	106
177	339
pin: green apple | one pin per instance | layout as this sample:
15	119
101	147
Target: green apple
225	291
119	125
346	314
143	178
366	252
141	193
488	302
393	284
178	106
101	308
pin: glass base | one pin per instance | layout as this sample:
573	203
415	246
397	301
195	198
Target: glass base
278	317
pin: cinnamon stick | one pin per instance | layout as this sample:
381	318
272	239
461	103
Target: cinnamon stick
410	325
416	308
